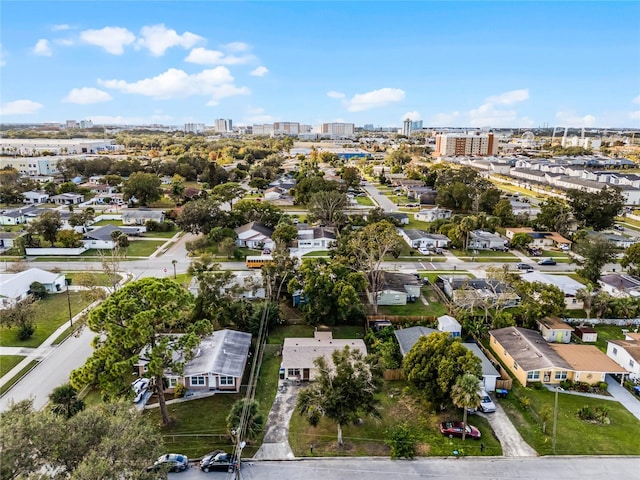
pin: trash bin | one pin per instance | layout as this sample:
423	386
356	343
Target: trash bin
282	374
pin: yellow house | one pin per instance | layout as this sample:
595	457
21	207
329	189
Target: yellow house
531	359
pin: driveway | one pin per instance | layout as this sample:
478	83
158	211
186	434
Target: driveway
512	443
275	445
623	396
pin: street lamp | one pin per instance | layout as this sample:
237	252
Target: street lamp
555	419
67	282
174	262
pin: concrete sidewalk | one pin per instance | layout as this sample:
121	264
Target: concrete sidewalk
623	396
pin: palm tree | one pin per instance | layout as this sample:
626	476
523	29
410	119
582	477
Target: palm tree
464	394
65	401
245	414
585	295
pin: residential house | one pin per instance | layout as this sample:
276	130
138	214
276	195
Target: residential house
141	216
218	364
626	353
447	323
482	240
586	334
396	289
298	354
99	188
68	199
7	240
425	195
254	235
100	238
422	239
399	217
35	198
620	285
15	287
408	337
530	359
478	292
568	285
312	239
432	214
543	240
273	193
618	241
555	330
13	217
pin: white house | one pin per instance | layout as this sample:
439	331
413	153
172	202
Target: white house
396	289
142	216
298	354
12	217
489	372
422	239
273	193
254	235
35	198
315	239
432	214
7	240
446	323
482	240
554	330
68	199
100	238
565	283
620	285
626	353
14	287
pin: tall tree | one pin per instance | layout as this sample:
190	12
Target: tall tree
585	295
596	210
144	187
504	211
326	205
202	215
20	315
434	364
464	395
344	391
350	176
555	215
140	320
251	210
253	420
48	225
596	252
228	192
631	259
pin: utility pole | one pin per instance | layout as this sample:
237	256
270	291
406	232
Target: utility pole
67	281
555	420
174	262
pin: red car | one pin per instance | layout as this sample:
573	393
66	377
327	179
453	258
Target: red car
455	429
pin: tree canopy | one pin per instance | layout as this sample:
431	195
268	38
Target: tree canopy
596	210
596	251
144	187
434	364
631	259
343	392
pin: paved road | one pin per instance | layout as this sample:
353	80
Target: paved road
493	468
379	198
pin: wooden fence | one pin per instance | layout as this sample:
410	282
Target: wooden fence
393	374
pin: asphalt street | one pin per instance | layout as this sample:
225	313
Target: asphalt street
485	468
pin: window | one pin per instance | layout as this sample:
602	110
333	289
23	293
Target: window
227	380
561	375
631	364
196	381
293	372
173	382
515	365
533	375
615	351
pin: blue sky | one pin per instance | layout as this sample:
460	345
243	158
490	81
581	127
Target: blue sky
499	64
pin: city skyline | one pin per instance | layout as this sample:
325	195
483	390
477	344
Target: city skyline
456	64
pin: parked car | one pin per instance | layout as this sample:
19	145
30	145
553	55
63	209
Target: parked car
424	251
486	404
455	429
619	227
171	462
218	460
500	249
535	252
524	266
547	261
140	387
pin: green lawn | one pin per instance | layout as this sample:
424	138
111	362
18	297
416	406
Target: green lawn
184	279
321	253
574	436
279	333
482	254
143	248
52	312
416	309
170	234
99	278
367	438
364	201
18	376
7	362
416	224
605	333
102	223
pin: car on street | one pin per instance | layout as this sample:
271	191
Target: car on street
218	460
619	228
170	462
524	266
547	261
454	429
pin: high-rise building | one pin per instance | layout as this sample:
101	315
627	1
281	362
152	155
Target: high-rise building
368	127
406	127
71	124
86	124
338	130
286	128
417	125
223	125
474	143
194	128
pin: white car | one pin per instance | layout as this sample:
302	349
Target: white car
424	251
486	404
140	387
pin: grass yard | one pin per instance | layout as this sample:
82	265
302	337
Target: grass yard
364	201
18	376
367	439
416	309
143	248
51	312
416	224
279	333
605	333
102	223
574	436
482	254
7	362
321	253
99	278
184	279
170	234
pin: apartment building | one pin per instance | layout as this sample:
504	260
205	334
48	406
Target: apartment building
224	125
341	130
194	128
475	143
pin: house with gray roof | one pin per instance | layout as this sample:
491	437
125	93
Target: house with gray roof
141	216
254	235
408	337
15	287
100	238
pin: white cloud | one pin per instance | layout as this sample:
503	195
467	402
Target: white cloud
236	47
444	119
413	116
112	39
158	38
571	119
42	48
60	27
636	100
66	42
260	71
174	83
509	98
202	56
258	115
374	99
334	94
20	107
87	95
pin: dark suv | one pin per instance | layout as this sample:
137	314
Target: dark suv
218	460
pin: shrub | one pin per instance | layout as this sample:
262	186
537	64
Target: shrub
565	384
597	414
25	331
179	391
525	402
401	442
603	386
537	385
